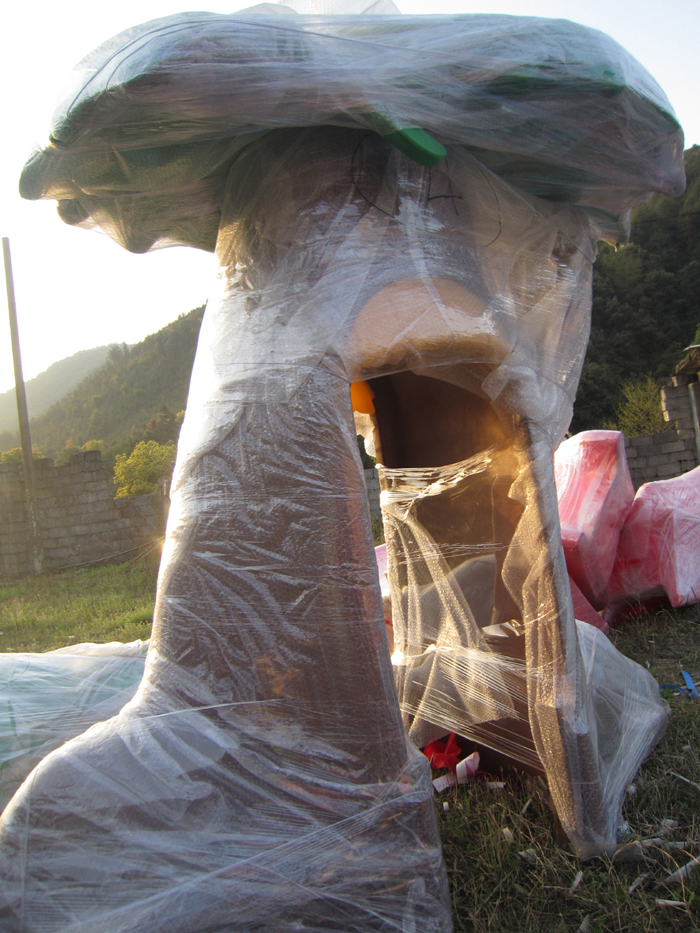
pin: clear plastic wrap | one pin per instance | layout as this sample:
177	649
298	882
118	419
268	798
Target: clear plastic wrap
152	119
47	699
261	777
659	549
595	493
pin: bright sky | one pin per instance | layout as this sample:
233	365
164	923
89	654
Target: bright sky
76	289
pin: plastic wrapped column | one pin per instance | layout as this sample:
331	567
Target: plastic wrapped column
261	777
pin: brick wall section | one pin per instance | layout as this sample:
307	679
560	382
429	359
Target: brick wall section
147	516
659	456
671	453
372	484
77	517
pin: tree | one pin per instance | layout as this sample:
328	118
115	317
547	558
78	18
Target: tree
162	427
640	410
143	471
15	455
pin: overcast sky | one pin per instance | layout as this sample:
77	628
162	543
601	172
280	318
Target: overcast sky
77	289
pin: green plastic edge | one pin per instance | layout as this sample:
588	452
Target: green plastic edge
417	145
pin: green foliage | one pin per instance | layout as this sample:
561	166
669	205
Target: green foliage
148	465
640	411
54	383
129	399
15	455
70	449
163	427
644	302
95	445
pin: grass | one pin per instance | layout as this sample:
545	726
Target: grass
100	604
493	888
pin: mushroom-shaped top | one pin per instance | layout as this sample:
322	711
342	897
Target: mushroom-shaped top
152	119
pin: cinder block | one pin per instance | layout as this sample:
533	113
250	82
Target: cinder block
668	470
631	453
674	391
657	460
672	447
643	440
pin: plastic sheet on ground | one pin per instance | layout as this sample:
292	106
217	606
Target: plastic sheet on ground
595	494
261	776
659	549
47	699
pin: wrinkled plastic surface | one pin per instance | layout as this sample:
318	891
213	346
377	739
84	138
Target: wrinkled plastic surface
659	549
47	699
261	777
153	118
595	493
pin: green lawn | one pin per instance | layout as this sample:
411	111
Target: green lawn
493	888
100	604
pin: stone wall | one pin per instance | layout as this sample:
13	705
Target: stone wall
79	520
658	456
372	484
670	453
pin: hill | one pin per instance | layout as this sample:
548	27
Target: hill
50	386
134	396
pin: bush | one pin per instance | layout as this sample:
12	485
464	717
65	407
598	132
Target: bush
640	411
145	469
15	455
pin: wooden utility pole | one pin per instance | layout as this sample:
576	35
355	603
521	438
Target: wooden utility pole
25	438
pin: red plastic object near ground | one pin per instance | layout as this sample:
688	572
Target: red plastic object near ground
595	494
583	611
659	549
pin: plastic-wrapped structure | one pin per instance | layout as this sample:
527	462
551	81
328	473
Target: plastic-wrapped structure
261	778
659	550
595	494
50	698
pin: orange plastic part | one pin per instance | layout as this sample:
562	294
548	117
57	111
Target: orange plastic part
362	397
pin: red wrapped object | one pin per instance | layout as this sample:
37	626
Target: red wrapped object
583	611
443	753
659	549
595	495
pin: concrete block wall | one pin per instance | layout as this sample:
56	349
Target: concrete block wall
670	453
372	484
77	517
659	456
147	516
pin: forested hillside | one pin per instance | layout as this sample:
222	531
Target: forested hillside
646	309
135	396
646	301
51	385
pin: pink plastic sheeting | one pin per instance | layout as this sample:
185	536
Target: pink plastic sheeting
595	494
659	549
583	611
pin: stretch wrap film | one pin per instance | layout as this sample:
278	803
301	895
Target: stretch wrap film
659	550
261	777
595	494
